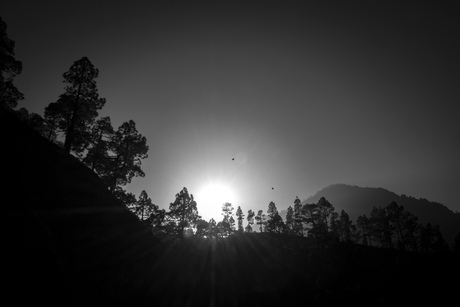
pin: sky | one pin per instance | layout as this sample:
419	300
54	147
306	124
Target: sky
300	94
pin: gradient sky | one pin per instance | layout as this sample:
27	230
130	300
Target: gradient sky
301	95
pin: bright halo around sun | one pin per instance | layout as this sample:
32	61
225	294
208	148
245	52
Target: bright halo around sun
210	199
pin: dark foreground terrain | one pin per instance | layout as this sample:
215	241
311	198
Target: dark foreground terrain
67	241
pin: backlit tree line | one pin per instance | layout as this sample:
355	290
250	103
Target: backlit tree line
388	227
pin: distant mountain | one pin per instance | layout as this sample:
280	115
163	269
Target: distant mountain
358	201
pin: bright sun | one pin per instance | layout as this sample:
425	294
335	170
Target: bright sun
210	199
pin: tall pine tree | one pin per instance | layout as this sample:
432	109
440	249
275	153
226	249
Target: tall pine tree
240	218
9	68
275	223
183	213
76	109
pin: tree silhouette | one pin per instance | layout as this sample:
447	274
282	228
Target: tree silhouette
227	211
157	220
240	218
395	215
404	225
260	219
312	218
116	157
345	226
231	223
183	213
364	224
212	228
381	229
144	206
36	122
128	199
298	217
411	228
431	239
9	68
335	225
392	224
202	229
275	223
250	218
76	109
290	226
225	226
98	155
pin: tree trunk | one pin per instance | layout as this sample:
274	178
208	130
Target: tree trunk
70	129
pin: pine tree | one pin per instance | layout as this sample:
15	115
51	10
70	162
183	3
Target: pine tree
411	227
225	225
250	218
335	226
380	226
364	224
227	211
260	219
119	158
183	212
231	223
128	199
98	156
345	226
9	69
76	109
316	218
290	226
298	217
431	239
145	207
395	217
202	228
274	222
240	218
212	228
325	208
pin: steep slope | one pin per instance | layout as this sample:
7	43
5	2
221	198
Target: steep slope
65	236
358	201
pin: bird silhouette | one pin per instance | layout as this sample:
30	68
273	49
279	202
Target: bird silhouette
233	159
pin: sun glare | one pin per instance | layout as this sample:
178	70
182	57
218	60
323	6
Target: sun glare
210	199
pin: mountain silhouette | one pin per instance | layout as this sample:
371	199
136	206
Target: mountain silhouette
358	201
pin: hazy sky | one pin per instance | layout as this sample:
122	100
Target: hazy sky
301	95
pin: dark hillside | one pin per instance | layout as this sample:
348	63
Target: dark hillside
64	233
